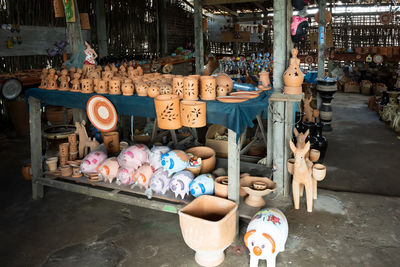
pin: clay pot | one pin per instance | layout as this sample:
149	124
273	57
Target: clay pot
153	91
66	171
123	145
221	187
290	165
318	172
177	86
193	113
222	91
255	198
264	78
208	226
141	89
208	88
63	149
107	75
114	87
27	171
73	155
111	141
86	86
52	163
190	88
314	155
293	76
127	88
102	87
207	156
63	160
76	172
292	90
168	112
225	81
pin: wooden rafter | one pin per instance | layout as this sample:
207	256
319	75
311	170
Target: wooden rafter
260	6
230	11
221	2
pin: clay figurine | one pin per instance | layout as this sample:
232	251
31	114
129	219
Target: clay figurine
160	181
174	161
85	143
90	63
43	78
92	161
52	80
143	175
109	169
266	236
202	185
155	156
180	183
76	84
134	156
293	77
64	80
310	113
125	176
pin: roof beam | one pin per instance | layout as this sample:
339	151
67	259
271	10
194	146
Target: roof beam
221	2
260	6
224	8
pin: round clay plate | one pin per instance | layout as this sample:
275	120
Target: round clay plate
101	113
249	95
232	99
258	91
378	59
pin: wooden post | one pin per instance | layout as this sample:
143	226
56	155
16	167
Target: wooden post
74	32
198	37
36	146
101	28
280	43
233	171
321	43
289	42
162	7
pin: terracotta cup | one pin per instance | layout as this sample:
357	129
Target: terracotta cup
208	88
111	141
193	113
190	88
114	87
52	163
168	112
177	86
66	171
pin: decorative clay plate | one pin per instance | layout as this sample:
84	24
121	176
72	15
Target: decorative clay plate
258	91
249	95
231	99
101	113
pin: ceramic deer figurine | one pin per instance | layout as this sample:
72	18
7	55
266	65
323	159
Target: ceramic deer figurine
302	175
85	143
311	114
300	138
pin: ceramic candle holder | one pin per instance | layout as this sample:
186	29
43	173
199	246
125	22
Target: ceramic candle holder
102	87
208	88
177	86
168	112
153	91
114	87
141	89
86	86
190	88
193	113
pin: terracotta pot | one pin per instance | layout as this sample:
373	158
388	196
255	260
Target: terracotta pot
102	87
222	90
193	113
168	112
314	155
225	81
190	88
123	145
107	75
127	88
55	115
319	172
207	156
292	90
63	160
166	89
141	89
153	91
208	88
255	198
76	172
63	149
86	86
177	86
290	165
114	87
264	78
221	187
66	171
72	138
27	171
52	163
293	76
111	141
73	155
208	226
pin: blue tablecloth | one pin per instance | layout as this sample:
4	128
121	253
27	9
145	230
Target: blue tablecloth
234	116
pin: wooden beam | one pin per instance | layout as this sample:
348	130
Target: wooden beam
101	28
74	32
221	2
230	11
198	37
260	6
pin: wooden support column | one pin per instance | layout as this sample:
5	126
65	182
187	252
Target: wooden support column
234	171
289	42
74	32
280	43
321	39
162	7
198	37
101	29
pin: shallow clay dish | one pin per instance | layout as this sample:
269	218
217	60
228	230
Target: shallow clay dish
101	113
249	95
243	91
231	99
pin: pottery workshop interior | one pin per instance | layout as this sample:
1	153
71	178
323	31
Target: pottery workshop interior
180	133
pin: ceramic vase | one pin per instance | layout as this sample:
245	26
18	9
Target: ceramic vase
207	155
168	112
111	141
208	88
86	86
208	226
177	86
107	75
190	88
193	113
52	163
114	87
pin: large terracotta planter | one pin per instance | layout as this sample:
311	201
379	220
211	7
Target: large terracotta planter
257	188
225	81
168	112
207	155
208	88
193	113
208	226
190	88
177	86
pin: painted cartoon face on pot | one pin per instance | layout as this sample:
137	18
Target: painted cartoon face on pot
174	161
180	183
202	185
92	161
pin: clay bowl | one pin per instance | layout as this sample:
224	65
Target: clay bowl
66	171
314	155
207	156
255	198
290	165
221	187
319	172
259	185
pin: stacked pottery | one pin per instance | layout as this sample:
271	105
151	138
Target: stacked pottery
73	147
168	112
114	87
96	82
293	77
190	88
208	88
193	113
127	87
326	90
63	151
177	86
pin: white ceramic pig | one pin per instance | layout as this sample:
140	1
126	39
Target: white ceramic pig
155	155
134	156
108	169
125	176
266	236
180	183
159	181
143	175
92	161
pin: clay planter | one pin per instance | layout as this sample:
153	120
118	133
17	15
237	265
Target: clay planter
319	172
221	187
111	141
190	88
177	86
107	75
290	165
225	81
255	198
208	226
141	89
168	112
193	113
153	91
52	163
293	77
66	171
208	88
264	78
114	87
314	155
207	156
86	86
27	171
63	149
127	88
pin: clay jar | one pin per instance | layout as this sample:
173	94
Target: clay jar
141	89
190	88
224	80
207	155
114	87
111	141
193	113
86	86
177	86
127	88
153	91
102	87
208	88
168	112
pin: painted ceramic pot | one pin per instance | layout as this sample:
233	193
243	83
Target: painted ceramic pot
125	176
293	77
141	89
86	86
179	183
114	87
160	181
111	141
190	88
177	86
207	155
102	87
134	156
208	88
202	185
255	198
168	112
92	161
166	89
107	75
174	161
153	91
109	169
143	175
222	90
127	88
155	156
193	113
225	81
208	226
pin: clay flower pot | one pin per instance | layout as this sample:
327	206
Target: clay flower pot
250	185
111	141
141	89
207	156
114	87
293	77
52	163
222	90
127	88
319	172
208	226
208	88
314	155
66	171
168	112
102	87
225	81
193	113
190	88
177	86
153	91
86	86
221	187
290	165
264	78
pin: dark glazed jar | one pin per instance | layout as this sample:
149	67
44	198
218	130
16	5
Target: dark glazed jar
299	122
312	137
322	141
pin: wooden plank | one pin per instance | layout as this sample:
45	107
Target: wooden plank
101	28
220	2
36	146
229	11
198	37
74	32
233	171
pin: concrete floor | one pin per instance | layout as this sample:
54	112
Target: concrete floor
345	229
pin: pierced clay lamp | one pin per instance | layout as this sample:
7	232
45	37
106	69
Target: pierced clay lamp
193	113
293	77
168	112
257	188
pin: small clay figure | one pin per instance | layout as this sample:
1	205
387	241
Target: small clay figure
310	113
51	80
90	62
76	85
64	80
43	77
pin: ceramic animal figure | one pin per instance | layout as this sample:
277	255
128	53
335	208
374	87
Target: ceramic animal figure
180	183
92	161
155	155
174	161
85	143
266	236
302	176
125	176
202	185
134	156
310	113
301	138
143	175
159	181
109	169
